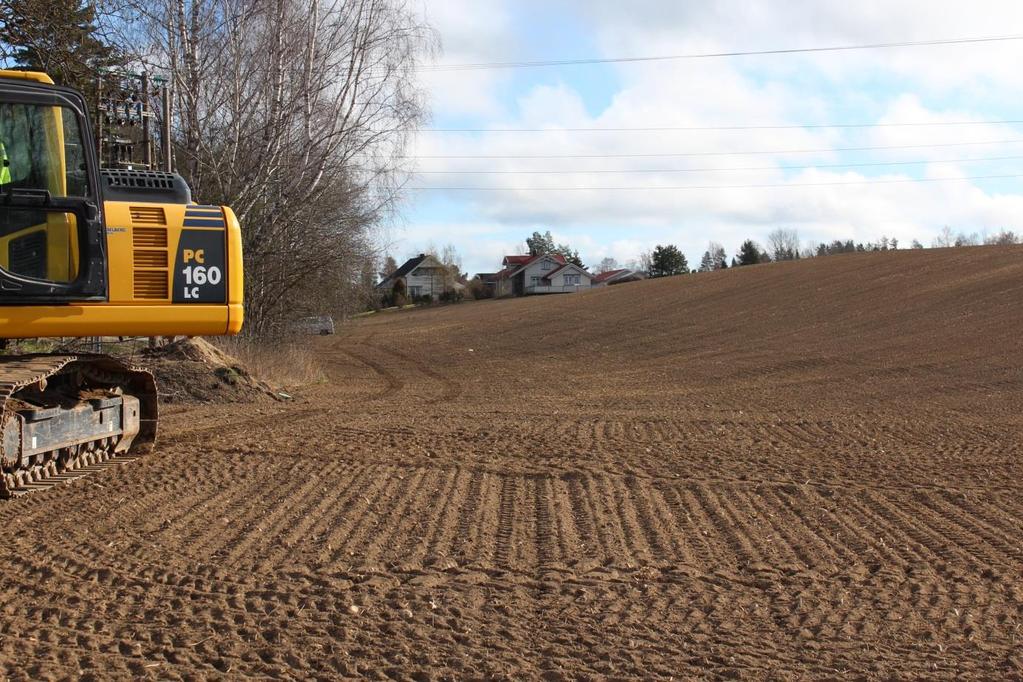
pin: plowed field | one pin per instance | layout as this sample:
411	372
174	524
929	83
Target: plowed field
801	470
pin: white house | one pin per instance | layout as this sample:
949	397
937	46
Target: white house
545	274
423	275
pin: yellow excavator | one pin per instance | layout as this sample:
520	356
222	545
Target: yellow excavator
87	252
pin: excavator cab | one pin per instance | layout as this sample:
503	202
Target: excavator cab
51	232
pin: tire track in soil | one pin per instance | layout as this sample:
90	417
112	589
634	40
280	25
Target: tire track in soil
393	384
546	538
450	390
507	528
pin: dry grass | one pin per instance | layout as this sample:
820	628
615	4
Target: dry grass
281	363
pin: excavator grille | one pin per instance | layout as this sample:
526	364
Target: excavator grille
147	215
151	285
150	259
150	256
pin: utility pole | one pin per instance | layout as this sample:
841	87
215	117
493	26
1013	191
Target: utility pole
168	163
147	140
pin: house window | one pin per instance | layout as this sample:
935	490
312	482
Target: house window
546	265
534	281
571	279
415	292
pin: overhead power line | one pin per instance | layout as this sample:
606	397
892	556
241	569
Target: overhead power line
709	169
684	154
720	128
704	187
479	66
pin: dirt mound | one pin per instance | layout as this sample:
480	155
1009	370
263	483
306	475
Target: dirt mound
193	370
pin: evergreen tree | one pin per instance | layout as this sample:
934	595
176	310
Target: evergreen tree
707	263
749	253
668	260
59	37
541	244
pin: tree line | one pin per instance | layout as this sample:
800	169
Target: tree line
783	244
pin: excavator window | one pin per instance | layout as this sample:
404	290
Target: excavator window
42	157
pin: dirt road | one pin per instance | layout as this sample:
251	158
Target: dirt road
797	470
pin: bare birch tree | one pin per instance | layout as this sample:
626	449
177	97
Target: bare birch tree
295	113
784	244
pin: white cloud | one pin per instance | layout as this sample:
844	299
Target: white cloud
934	84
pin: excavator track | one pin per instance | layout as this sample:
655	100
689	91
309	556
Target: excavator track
66	416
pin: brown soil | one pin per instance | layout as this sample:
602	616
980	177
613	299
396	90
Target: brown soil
195	371
801	470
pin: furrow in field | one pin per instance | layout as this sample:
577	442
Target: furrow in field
309	533
354	509
467	543
430	500
911	538
569	542
803	513
638	530
725	527
441	542
405	508
591	541
609	536
697	527
232	531
285	535
970	530
206	526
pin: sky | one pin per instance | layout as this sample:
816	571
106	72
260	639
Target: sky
701	192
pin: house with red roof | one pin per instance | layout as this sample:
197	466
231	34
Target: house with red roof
621	276
543	274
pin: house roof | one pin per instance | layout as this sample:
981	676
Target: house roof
564	266
409	265
515	263
610	274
